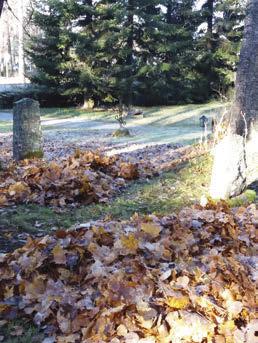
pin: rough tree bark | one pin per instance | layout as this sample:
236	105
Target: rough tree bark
236	156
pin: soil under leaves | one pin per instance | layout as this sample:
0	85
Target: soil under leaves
184	278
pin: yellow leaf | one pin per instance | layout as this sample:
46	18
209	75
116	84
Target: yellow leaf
130	242
151	228
219	339
59	255
18	189
3	200
177	302
92	247
8	293
35	287
227	328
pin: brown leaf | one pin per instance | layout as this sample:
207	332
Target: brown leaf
59	255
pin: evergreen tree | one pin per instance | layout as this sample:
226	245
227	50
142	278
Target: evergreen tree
148	41
142	52
170	62
50	50
115	28
219	46
85	49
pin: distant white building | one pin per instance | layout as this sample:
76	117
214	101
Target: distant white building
12	61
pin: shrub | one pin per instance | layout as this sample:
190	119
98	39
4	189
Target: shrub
46	97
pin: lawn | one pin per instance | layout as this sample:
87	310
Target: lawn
159	125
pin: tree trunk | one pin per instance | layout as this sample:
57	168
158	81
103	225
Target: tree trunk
236	156
169	13
129	57
210	10
21	43
1	6
246	100
10	50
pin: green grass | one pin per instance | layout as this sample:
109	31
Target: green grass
5	126
164	124
72	112
162	115
161	195
30	333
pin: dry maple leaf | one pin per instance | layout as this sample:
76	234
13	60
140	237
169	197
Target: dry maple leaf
59	255
128	171
130	242
151	228
178	302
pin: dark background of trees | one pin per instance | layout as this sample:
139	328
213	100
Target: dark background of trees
134	52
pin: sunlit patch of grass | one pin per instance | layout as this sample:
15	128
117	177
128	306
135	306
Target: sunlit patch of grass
5	126
72	112
160	125
162	115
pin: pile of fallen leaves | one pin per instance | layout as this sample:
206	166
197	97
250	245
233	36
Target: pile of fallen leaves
85	177
185	278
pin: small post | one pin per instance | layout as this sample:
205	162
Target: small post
204	124
213	125
27	134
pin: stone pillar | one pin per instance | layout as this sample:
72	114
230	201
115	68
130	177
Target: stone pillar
27	135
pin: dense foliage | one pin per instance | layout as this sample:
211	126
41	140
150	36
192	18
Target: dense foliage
141	52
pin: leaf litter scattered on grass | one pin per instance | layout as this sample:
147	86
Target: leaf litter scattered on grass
184	278
85	177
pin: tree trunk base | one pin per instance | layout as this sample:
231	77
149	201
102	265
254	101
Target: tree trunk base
88	104
229	168
122	132
235	166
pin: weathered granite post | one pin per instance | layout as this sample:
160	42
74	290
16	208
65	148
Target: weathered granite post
27	134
